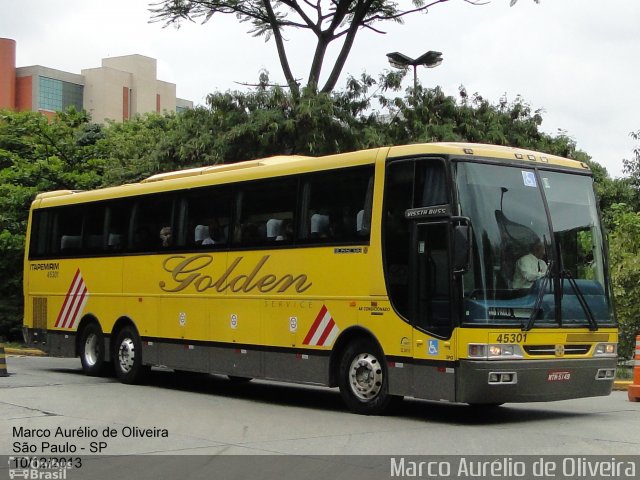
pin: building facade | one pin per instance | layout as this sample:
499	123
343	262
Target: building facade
118	90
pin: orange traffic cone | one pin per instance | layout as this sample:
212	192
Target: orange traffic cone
3	362
634	389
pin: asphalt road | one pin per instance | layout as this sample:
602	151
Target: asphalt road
198	414
210	415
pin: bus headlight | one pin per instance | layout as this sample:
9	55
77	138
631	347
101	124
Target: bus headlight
606	350
500	351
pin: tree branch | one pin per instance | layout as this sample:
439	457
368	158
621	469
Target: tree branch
293	5
359	14
401	14
324	38
282	54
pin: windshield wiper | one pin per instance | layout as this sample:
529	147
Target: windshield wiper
593	325
538	303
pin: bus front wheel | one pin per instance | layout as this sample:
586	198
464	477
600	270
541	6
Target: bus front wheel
363	382
92	352
128	356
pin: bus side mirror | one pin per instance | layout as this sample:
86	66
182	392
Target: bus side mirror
461	248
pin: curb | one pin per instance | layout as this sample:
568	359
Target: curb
25	352
621	385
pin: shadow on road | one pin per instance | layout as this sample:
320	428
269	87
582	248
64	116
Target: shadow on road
303	396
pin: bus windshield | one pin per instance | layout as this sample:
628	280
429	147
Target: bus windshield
525	270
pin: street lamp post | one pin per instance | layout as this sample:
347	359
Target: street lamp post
430	59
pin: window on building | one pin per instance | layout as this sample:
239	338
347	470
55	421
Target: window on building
56	95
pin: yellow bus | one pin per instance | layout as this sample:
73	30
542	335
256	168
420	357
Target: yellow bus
458	272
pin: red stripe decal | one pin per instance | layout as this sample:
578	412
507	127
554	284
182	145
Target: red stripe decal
66	299
76	311
73	306
316	324
326	332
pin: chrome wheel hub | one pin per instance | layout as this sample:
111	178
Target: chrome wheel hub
126	355
365	377
91	350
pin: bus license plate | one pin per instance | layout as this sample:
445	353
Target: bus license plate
563	376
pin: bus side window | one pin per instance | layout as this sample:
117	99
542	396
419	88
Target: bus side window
68	231
207	217
337	206
93	240
41	234
262	209
117	225
153	223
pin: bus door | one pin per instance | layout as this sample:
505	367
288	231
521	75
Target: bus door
431	312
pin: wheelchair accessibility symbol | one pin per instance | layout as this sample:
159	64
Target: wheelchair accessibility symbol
433	347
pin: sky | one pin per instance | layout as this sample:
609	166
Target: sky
577	60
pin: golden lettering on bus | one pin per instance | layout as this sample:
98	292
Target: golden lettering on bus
191	272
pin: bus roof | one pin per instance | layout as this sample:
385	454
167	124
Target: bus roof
485	150
288	164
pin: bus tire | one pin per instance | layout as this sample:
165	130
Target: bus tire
127	356
362	378
92	353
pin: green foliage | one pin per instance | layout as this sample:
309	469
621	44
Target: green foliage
632	168
36	155
271	122
624	248
130	150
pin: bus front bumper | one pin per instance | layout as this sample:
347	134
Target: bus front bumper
492	382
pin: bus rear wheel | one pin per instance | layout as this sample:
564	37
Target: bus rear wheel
128	356
363	382
92	354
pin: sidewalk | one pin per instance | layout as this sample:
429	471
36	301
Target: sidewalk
27	352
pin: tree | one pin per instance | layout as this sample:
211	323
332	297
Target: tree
632	169
328	20
36	155
624	243
131	150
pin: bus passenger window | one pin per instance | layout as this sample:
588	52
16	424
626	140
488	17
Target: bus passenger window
207	217
93	228
68	231
153	223
117	218
338	206
40	234
262	210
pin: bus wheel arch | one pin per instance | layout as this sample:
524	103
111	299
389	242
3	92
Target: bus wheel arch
126	348
91	346
359	368
350	335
